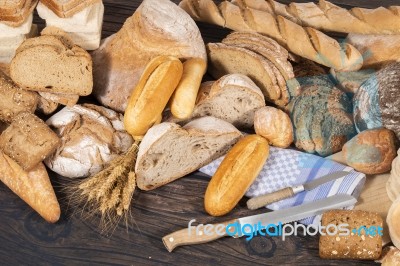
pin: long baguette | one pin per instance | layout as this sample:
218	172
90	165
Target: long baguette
330	17
303	41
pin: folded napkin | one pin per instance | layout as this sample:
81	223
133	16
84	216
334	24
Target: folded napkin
286	167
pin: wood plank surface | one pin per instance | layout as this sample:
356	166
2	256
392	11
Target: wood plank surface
25	239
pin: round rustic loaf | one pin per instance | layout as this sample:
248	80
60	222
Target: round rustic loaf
91	137
377	101
274	125
371	151
321	116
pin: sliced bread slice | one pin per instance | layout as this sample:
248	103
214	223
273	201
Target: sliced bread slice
169	151
11	7
80	18
234	98
21	16
225	59
68	8
52	67
9	31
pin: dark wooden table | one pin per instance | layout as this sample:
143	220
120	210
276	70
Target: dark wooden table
25	238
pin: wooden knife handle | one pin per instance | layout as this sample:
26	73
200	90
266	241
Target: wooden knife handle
260	201
197	235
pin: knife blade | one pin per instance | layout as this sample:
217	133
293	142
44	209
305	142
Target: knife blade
261	201
200	234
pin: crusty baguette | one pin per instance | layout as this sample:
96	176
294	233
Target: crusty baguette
235	174
329	17
303	41
377	50
184	97
151	95
169	151
33	187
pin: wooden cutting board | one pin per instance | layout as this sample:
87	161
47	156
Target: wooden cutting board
373	196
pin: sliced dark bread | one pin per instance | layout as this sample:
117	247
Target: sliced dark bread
225	59
168	151
52	67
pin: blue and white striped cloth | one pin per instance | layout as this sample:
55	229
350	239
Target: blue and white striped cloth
286	167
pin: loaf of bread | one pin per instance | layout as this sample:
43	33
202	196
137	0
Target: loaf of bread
28	140
33	187
69	8
376	102
15	13
83	151
274	125
303	41
371	151
54	65
377	50
169	151
392	219
321	116
357	244
150	97
393	183
330	17
233	98
235	174
158	27
14	100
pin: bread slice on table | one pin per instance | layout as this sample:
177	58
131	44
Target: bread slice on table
53	66
33	187
68	8
225	59
234	98
169	151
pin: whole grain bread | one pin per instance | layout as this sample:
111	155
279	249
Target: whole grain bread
28	140
14	100
54	66
169	151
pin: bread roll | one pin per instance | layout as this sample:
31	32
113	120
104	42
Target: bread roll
235	174
152	94
83	151
274	125
371	151
184	98
393	183
392	220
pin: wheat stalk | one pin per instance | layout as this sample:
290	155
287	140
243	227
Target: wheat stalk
109	192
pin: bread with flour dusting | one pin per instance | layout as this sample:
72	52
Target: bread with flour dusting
169	151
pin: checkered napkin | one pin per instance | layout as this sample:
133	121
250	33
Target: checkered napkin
286	167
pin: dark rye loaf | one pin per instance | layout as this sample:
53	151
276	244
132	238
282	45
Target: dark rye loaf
377	101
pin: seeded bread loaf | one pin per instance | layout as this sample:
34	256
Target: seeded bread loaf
53	66
28	140
14	100
169	151
357	244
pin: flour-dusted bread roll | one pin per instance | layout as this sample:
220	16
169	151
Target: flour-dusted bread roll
274	125
393	183
168	151
377	102
371	151
91	136
158	27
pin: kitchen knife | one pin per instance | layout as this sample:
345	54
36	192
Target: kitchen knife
261	201
197	235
